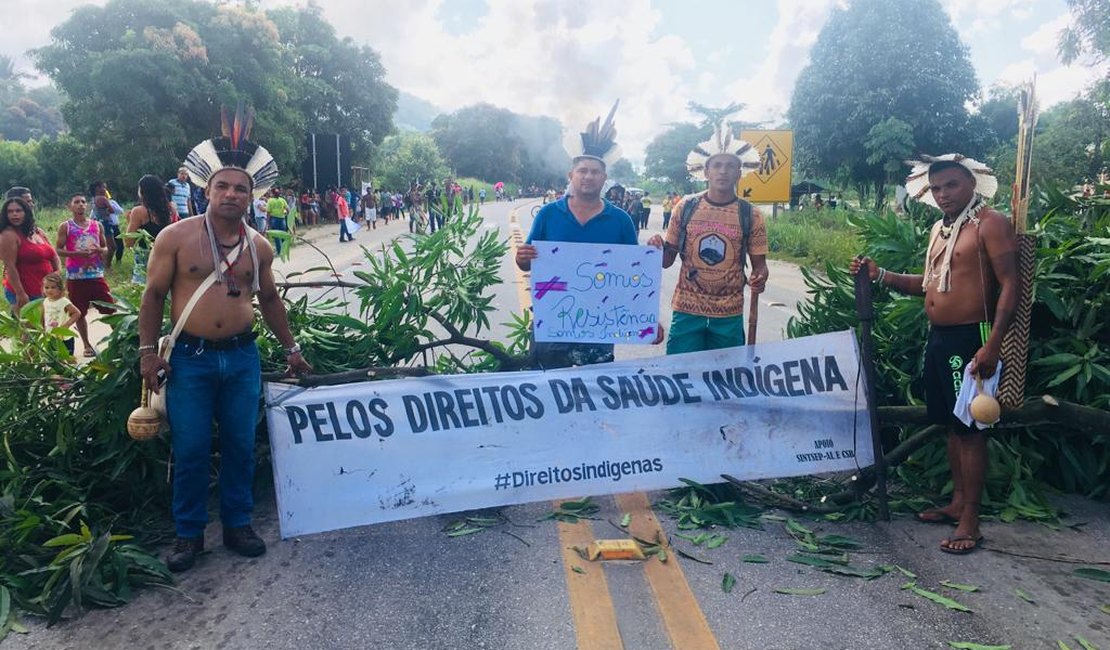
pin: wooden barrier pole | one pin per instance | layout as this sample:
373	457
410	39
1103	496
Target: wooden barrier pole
866	313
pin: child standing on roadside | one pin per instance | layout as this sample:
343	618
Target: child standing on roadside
57	310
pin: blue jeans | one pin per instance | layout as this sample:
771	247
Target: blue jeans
223	386
278	223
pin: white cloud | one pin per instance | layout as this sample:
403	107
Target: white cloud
972	17
767	91
569	61
33	20
1044	40
1055	83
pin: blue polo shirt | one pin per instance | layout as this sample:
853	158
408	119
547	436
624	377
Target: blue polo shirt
555	222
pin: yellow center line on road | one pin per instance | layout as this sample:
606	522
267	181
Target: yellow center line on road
682	616
595	619
591	605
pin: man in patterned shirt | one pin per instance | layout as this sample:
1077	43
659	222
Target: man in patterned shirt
709	237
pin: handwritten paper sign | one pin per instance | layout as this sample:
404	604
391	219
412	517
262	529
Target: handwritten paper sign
596	293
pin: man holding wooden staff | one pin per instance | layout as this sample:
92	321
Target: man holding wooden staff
971	289
714	232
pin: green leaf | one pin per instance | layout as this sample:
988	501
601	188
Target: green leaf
465	531
800	592
626	520
796	528
715	541
839	541
68	539
688	556
578	569
1060	645
936	598
6	611
1087	645
906	572
964	645
1105	609
958	586
728	582
754	558
1092	573
1024	596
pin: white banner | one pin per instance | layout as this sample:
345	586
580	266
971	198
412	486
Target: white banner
379	451
596	293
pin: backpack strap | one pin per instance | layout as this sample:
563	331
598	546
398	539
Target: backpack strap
689	206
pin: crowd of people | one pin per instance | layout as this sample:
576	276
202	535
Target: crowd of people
717	238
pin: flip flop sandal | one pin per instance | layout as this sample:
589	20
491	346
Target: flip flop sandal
963	538
89	353
935	517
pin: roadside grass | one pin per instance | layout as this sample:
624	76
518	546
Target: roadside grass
813	238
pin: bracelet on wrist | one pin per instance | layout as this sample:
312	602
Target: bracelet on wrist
881	276
148	348
296	349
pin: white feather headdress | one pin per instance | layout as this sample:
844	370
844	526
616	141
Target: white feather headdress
723	142
597	142
233	150
917	183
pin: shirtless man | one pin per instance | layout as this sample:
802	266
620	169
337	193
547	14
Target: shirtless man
213	372
971	277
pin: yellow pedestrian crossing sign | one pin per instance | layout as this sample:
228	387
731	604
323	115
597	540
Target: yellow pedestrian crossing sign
770	183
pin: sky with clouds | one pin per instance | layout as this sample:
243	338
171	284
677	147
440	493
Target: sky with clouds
570	60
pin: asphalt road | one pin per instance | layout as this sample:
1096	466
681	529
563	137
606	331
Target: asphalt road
406	585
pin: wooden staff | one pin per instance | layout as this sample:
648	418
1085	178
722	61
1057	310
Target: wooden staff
753	318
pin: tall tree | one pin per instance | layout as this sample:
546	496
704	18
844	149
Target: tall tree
1089	34
495	144
543	161
407	158
710	116
1073	140
874	60
342	85
888	144
665	155
479	142
623	172
145	80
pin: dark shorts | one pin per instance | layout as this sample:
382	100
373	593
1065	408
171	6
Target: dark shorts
564	355
83	292
947	352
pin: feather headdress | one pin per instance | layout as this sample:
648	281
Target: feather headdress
723	142
917	183
233	150
598	141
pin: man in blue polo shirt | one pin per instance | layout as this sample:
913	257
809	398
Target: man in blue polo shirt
581	217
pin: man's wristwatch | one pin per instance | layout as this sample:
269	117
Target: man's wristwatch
296	349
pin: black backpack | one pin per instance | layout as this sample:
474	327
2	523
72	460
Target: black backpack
690	205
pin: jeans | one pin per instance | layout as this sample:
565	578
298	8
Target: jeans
278	223
111	231
205	386
343	234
